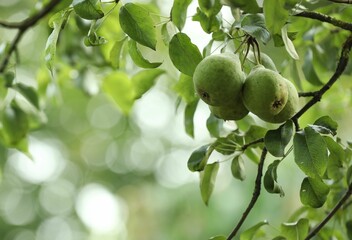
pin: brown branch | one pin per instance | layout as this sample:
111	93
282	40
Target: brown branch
341	1
22	27
308	94
331	214
341	66
256	193
245	146
325	18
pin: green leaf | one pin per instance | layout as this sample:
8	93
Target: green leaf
297	230
178	13
120	89
327	123
185	88
290	48
254	25
115	53
208	23
314	192
336	157
184	54
199	158
210	7
270	179
310	152
237	168
275	17
189	115
15	124
207	181
248	6
28	92
276	140
227	145
136	22
214	125
57	22
165	35
138	58
308	69
88	9
93	40
250	233
254	133
218	238
144	80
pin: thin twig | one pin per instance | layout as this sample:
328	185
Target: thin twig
341	1
325	18
245	146
22	27
256	193
331	214
341	66
308	94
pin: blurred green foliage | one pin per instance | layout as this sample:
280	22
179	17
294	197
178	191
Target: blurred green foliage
86	170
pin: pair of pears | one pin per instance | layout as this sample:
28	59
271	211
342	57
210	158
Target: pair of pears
221	83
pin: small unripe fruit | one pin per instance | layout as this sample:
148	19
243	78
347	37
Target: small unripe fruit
265	92
290	108
235	112
218	79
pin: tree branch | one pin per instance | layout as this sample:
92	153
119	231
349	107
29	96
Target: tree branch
341	66
308	94
325	18
245	146
22	27
341	1
256	193
331	214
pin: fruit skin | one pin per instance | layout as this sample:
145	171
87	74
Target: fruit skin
266	61
290	108
236	112
265	92
218	79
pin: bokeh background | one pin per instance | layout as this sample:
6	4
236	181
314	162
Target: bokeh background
97	174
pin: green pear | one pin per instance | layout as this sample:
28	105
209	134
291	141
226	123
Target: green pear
265	92
235	112
265	60
290	108
218	79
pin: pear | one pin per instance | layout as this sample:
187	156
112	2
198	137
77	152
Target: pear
235	112
265	92
265	60
290	108
218	79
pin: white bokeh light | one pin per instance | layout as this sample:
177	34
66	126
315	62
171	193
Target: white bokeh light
100	210
46	163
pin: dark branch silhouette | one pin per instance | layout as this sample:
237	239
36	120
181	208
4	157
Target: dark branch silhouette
325	18
331	214
256	193
22	27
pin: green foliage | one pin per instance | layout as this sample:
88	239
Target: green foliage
178	13
94	51
207	181
276	140
310	152
88	9
137	23
184	54
270	179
